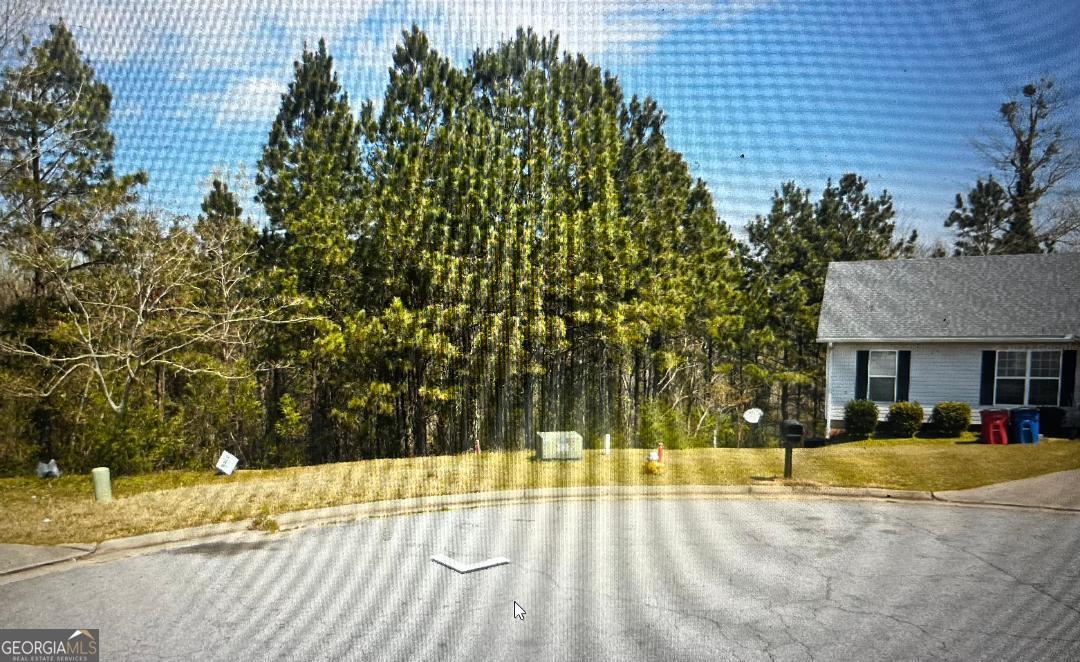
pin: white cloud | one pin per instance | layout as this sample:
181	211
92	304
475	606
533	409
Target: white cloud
131	110
727	13
626	29
623	27
251	100
239	34
253	42
199	35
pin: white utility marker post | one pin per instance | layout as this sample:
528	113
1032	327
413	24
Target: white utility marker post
607	444
102	484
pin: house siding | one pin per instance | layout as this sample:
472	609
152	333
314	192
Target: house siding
939	373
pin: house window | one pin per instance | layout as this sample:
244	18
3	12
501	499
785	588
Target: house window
1045	381
1028	378
881	376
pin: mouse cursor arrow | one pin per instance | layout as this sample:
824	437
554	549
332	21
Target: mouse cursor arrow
518	611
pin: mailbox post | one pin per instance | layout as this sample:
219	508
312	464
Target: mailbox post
791	436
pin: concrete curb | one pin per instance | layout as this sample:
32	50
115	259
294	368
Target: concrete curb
340	514
1002	504
336	514
84	550
160	538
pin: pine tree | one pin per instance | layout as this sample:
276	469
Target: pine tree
314	117
792	248
509	258
310	185
220	202
60	196
56	174
982	223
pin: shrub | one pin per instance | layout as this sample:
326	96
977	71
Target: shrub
653	468
905	418
662	423
951	418
860	417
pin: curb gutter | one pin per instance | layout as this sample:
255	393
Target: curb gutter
83	550
118	547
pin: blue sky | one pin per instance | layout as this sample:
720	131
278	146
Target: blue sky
757	91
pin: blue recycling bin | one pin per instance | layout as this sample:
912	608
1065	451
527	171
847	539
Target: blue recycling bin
1024	426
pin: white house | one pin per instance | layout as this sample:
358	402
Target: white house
998	331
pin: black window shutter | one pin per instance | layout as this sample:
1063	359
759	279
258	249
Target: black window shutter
986	387
1068	377
862	365
903	374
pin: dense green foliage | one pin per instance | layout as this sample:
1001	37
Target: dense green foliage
503	247
905	418
860	418
950	418
791	250
59	213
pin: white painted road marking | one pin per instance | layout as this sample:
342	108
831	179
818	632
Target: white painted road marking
464	567
519	611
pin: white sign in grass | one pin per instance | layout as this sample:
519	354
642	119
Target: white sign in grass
226	464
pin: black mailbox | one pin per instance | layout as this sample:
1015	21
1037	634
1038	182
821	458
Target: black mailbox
791	433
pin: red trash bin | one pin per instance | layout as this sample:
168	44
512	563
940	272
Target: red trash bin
995	424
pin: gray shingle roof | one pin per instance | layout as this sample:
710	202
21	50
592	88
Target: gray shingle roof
1000	296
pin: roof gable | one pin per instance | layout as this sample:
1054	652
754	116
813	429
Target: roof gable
998	296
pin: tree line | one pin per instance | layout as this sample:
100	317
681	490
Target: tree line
492	250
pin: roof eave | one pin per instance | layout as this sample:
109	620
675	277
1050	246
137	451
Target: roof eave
955	339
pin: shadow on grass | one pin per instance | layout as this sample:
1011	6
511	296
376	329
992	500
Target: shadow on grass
886	437
931	433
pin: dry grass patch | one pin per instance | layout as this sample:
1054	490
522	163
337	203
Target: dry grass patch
173	500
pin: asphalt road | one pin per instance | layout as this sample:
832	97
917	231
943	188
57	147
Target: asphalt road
674	579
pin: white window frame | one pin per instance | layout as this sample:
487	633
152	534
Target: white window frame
870	375
1027	377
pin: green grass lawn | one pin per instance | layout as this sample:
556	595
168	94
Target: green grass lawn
176	499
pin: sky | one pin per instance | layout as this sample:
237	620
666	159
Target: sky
757	92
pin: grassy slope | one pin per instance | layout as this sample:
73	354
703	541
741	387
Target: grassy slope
178	499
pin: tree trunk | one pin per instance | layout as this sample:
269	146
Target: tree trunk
527	407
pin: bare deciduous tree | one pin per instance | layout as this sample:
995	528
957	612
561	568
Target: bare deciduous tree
1060	226
17	19
164	298
1035	153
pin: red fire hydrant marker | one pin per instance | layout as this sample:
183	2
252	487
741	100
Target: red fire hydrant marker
660	453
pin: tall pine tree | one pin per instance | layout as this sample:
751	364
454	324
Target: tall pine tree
56	151
309	182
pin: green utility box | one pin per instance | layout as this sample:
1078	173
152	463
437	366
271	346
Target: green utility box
559	446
